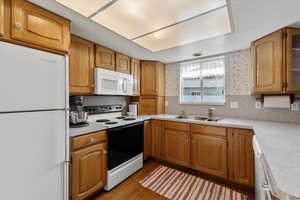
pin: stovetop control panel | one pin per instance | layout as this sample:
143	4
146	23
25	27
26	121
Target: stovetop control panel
103	109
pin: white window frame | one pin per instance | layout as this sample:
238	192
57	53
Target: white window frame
202	103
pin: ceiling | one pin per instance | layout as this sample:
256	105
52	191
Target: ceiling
249	21
174	22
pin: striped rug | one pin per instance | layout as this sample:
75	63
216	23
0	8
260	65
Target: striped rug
176	185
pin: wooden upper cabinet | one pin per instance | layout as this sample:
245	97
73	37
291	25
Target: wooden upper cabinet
147	139
88	171
177	147
105	58
135	71
150	105
267	64
152	78
209	154
1	18
81	66
293	60
35	25
156	138
241	156
122	63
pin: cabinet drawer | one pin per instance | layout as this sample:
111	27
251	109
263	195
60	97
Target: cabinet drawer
87	140
177	126
209	130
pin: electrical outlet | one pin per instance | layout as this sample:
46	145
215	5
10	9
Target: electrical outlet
258	104
295	107
234	104
166	103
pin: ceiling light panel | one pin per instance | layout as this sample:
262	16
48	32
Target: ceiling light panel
133	18
207	26
84	7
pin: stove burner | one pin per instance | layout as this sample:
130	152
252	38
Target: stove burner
102	120
121	117
129	118
111	122
80	125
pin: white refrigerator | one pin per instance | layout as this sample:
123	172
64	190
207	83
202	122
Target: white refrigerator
34	149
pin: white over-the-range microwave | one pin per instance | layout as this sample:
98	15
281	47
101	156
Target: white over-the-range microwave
109	82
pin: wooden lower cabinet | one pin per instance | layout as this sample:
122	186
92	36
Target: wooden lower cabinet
209	154
177	147
88	166
147	139
241	156
156	138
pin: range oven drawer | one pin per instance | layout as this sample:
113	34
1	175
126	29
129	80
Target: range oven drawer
124	143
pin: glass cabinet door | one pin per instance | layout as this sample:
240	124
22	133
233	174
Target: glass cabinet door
293	60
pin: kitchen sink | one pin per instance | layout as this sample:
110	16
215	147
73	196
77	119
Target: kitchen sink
181	117
214	119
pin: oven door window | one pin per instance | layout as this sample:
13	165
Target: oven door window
124	143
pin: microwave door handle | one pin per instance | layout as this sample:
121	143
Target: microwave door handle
125	84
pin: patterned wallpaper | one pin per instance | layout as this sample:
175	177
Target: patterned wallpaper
237	74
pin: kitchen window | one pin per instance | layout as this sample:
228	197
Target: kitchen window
203	81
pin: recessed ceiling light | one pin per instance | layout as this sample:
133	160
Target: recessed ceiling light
197	54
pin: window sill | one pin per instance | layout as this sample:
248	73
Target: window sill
203	103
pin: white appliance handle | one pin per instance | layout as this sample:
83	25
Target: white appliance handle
256	148
67	134
267	190
125	85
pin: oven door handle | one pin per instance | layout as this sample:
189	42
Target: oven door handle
126	126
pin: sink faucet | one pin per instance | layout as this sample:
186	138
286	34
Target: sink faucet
210	112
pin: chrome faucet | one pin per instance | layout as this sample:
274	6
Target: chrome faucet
210	113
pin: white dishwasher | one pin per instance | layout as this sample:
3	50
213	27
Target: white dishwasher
263	190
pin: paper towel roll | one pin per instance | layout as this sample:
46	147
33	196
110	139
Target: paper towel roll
277	102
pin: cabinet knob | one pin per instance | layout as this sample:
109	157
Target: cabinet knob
92	140
104	152
18	24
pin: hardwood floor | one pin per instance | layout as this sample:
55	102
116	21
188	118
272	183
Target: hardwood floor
131	189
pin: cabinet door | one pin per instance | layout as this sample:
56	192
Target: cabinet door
147	140
241	158
148	106
148	78
37	26
105	58
267	64
156	138
177	147
1	18
88	171
209	154
135	71
81	66
293	60
122	63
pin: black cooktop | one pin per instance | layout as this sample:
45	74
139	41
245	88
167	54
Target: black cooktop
102	120
111	122
80	125
129	118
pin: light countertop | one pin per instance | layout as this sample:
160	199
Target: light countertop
279	142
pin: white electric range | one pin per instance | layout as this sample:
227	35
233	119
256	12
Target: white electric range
125	140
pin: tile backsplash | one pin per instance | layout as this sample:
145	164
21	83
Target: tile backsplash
237	77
